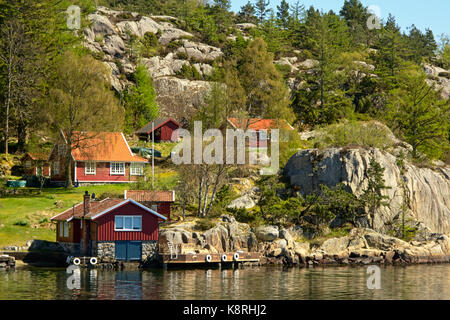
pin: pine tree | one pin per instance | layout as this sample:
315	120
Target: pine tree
267	94
262	9
283	15
419	115
247	13
356	15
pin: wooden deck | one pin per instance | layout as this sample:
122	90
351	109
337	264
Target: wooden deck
199	258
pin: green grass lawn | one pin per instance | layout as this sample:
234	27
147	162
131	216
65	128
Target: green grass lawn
36	210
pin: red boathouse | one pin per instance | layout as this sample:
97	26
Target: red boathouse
111	229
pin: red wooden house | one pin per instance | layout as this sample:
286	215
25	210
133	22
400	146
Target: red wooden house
111	229
103	157
36	164
262	127
159	201
163	129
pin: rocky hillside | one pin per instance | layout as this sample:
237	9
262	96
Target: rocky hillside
425	191
110	38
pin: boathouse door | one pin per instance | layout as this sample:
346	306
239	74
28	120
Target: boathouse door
129	250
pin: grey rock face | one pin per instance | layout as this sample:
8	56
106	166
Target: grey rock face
267	233
427	191
243	202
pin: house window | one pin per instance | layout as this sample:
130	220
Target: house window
117	168
89	168
137	169
28	164
154	207
61	149
128	223
39	171
64	229
56	167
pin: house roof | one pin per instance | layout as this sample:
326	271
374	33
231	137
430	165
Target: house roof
259	124
150	196
103	146
36	156
99	208
157	124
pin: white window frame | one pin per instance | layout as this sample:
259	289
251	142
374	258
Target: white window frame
28	164
61	232
114	172
90	168
154	207
66	229
137	169
123	223
56	167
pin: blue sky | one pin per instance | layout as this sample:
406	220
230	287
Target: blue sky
432	14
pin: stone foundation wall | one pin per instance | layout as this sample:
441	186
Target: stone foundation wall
149	251
106	250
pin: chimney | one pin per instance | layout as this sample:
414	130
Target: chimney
87	203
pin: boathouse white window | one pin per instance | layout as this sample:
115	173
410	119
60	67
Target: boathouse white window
56	167
137	169
117	168
89	168
154	207
128	223
28	164
64	229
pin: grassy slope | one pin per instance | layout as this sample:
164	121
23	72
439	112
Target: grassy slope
33	209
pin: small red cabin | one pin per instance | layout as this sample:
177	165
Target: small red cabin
111	229
36	164
162	128
262	128
159	201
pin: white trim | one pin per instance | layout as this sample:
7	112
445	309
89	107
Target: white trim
142	165
173	195
129	149
85	167
127	230
75	172
129	201
117	174
125	194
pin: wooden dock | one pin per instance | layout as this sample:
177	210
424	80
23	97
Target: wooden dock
202	258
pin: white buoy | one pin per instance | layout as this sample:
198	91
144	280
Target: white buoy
76	261
224	257
93	261
208	258
236	256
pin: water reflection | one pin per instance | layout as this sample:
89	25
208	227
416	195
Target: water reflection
412	282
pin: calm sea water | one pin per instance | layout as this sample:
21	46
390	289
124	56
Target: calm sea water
411	282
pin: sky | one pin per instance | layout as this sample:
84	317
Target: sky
432	14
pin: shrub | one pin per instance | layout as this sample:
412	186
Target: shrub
204	224
21	223
371	134
105	195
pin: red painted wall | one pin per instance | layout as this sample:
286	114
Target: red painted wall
164	209
102	173
166	131
105	230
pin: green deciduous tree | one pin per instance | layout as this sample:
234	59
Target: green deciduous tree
80	99
140	101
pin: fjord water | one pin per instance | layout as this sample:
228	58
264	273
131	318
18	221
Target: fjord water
410	282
